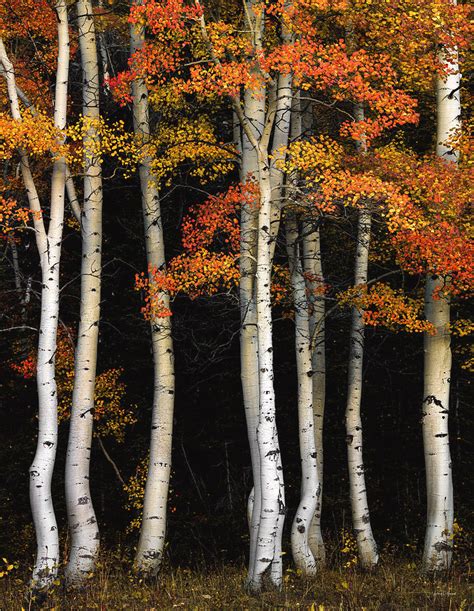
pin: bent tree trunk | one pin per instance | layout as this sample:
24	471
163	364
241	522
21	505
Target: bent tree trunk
310	486
49	248
153	529
82	521
437	553
367	548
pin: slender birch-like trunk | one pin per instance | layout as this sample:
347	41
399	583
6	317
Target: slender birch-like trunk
153	529
269	502
82	521
438	549
49	248
366	546
437	554
279	146
310	485
254	110
315	284
268	547
315	311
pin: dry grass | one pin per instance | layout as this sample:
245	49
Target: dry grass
394	585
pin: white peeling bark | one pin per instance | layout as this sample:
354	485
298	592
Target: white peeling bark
255	113
82	521
313	266
366	545
301	122
49	248
367	548
268	548
153	529
438	548
310	486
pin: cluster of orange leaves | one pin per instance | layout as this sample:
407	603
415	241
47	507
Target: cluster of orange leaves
11	216
331	67
432	223
209	263
411	32
29	30
382	306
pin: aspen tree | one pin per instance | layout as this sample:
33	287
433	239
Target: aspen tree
310	486
438	548
82	521
367	548
48	242
254	109
315	286
153	529
301	124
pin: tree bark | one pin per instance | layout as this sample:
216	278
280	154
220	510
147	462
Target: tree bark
268	547
255	113
82	521
315	284
310	498
437	554
49	248
153	530
366	545
438	547
367	548
301	122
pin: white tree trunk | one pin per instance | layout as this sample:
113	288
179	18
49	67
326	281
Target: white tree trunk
310	486
312	266
301	122
153	530
82	521
438	547
49	247
268	548
255	113
437	351
281	134
367	548
366	545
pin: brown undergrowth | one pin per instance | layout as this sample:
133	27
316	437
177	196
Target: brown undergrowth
394	585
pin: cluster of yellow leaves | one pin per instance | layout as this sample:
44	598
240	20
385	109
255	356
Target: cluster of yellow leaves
349	548
135	491
103	139
110	416
190	142
383	306
7	567
35	134
313	155
462	327
167	99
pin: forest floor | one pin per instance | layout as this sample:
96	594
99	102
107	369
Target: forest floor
394	585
